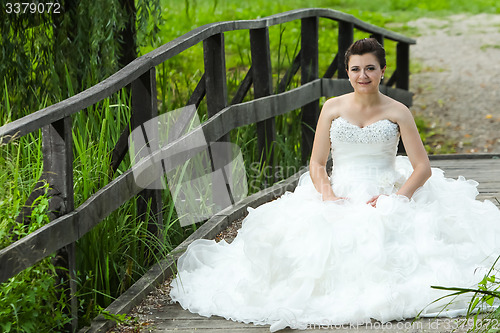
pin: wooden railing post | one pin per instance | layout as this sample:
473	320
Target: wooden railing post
263	86
403	66
216	93
380	39
215	73
346	37
144	108
402	74
309	72
57	146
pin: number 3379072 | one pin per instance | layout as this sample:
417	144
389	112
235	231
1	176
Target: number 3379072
32	8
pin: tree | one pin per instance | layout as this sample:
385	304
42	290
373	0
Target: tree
44	54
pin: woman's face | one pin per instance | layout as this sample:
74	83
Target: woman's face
364	72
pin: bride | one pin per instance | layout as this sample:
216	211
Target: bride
366	243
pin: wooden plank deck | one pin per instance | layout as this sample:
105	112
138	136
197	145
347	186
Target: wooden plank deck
171	317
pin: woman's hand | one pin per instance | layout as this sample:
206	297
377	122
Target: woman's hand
333	198
373	201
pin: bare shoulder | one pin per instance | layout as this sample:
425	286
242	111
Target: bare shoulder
399	113
333	107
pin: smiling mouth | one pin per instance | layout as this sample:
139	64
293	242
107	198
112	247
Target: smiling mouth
364	83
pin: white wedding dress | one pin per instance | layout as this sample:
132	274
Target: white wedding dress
299	260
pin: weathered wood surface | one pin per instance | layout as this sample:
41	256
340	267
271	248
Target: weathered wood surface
171	317
145	108
309	72
486	171
263	86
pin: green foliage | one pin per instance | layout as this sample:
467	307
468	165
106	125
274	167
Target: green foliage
30	301
84	38
117	318
483	312
433	138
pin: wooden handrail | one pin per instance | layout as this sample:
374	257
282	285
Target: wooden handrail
144	63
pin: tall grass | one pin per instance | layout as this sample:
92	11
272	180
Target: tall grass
118	251
30	300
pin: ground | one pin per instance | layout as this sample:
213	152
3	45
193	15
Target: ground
456	79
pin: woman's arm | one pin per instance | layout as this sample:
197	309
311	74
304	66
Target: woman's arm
415	151
320	150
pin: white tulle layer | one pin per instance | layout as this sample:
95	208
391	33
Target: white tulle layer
299	260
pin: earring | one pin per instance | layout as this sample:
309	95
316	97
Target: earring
382	77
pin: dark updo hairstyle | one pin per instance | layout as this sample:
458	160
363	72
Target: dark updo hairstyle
363	46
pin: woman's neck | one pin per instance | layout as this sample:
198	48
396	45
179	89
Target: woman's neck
367	101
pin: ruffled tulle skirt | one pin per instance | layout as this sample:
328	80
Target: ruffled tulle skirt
299	261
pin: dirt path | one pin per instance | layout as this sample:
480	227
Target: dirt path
458	84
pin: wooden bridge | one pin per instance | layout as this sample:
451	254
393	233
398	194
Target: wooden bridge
164	316
55	121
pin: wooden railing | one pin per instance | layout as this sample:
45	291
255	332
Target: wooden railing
55	121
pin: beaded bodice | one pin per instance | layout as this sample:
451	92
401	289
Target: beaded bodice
380	131
364	156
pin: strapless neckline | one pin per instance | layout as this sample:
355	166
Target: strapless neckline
366	126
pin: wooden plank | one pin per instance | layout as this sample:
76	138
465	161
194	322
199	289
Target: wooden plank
484	171
215	73
493	197
197	35
57	147
477	156
256	329
392	79
403	66
145	108
173	318
260	109
198	93
332	68
119	151
379	37
346	36
309	72
216	87
263	86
